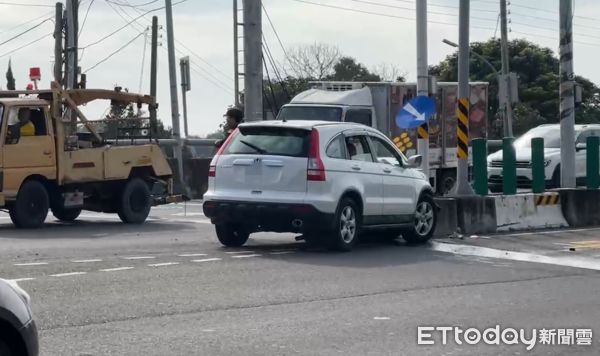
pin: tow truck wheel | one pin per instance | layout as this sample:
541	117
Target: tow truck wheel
135	202
30	209
66	214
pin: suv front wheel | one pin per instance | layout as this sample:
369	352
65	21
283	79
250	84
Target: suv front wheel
425	221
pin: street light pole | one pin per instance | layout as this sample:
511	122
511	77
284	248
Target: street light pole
452	44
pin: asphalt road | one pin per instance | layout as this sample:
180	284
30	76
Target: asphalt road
168	288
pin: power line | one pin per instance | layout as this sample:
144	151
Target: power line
181	44
112	54
85	18
24	5
179	52
386	15
26	45
24	32
553	38
430	12
25	23
551	20
453	7
276	34
552	29
134	6
128	24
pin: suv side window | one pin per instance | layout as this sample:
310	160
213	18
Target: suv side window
385	153
359	116
335	149
358	148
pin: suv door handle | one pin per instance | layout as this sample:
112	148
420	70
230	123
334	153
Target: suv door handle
356	168
387	170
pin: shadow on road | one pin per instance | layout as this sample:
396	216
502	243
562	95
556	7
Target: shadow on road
367	254
89	229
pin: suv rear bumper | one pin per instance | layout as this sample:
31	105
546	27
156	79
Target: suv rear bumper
271	217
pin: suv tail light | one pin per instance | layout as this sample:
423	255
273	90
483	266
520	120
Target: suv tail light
212	169
315	170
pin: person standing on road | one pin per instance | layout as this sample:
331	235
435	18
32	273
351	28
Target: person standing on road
233	117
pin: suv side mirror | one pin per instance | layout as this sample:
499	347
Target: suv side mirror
415	161
580	146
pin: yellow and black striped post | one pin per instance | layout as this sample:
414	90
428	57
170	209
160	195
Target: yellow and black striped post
463	128
423	131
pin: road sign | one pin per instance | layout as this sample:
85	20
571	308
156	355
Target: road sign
416	112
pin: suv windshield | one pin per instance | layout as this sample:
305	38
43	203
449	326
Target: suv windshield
311	113
265	140
550	134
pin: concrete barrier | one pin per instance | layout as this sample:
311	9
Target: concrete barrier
446	224
476	215
528	211
580	207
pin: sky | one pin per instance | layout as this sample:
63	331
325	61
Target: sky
378	31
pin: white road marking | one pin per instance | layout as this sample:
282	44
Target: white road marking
164	264
566	261
116	269
139	258
86	261
245	256
21	279
208	260
237	252
282	252
188	214
190	221
192	255
31	264
68	274
381	318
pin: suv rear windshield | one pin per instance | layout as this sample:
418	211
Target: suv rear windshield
275	141
312	113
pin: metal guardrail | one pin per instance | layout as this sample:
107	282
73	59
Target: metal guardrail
167	142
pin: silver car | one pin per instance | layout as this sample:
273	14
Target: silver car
18	332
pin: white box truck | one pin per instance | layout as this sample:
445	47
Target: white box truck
377	104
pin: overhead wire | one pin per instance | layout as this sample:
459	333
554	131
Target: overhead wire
276	34
136	5
26	31
85	18
114	53
449	6
181	44
270	84
180	53
24	5
129	24
26	45
26	23
386	15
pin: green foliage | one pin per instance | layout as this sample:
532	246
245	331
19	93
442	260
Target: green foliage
538	71
10	78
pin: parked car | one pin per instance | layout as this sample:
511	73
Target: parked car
18	332
330	181
551	135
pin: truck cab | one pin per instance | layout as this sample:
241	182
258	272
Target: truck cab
325	105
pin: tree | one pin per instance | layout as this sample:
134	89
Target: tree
537	69
10	79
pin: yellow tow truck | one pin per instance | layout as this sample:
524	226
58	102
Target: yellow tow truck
56	169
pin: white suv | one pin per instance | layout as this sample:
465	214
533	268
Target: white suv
330	181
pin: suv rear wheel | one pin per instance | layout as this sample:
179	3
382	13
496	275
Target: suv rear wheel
347	226
231	235
425	222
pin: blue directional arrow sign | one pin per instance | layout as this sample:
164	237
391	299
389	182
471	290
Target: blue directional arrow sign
416	112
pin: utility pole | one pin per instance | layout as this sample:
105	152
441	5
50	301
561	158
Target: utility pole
253	66
173	85
154	72
58	44
462	187
508	111
71	61
184	64
236	53
422	81
567	98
